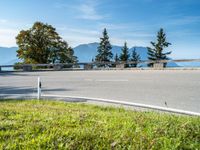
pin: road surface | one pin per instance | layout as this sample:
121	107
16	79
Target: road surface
180	89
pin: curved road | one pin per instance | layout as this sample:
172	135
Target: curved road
178	88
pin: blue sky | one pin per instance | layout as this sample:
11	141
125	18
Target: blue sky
134	21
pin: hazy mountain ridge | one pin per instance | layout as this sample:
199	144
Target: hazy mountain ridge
8	56
85	53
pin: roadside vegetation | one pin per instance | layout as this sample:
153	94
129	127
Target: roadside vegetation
41	44
58	125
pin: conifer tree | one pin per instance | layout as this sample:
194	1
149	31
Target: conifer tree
104	49
157	52
125	54
116	58
135	57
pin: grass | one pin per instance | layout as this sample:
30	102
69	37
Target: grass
58	125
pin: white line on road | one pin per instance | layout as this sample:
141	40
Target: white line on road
112	80
93	80
172	110
128	104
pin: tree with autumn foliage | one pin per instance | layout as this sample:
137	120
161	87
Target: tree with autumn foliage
41	44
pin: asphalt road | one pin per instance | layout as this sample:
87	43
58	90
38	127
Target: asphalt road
179	88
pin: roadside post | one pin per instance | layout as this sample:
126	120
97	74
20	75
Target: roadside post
39	89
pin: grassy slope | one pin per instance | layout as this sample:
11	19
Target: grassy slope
59	125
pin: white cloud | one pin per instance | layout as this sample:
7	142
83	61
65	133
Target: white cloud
2	21
9	30
75	40
111	26
7	37
184	20
76	36
118	33
88	10
130	41
60	5
82	9
78	31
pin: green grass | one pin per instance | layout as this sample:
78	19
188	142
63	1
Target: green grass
59	125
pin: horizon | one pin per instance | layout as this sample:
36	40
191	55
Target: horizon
82	22
83	44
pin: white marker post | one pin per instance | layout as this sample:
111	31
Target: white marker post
39	89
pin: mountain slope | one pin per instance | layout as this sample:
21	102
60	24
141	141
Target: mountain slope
8	55
87	52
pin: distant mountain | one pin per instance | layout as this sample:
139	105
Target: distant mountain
189	64
8	55
87	52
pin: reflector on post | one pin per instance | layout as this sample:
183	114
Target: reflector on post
39	89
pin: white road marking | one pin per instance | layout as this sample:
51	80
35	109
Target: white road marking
166	109
99	80
112	80
88	80
172	110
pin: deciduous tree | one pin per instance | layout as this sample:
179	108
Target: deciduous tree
42	44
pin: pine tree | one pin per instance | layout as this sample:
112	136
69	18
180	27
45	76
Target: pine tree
124	57
125	54
116	58
156	53
104	49
135	57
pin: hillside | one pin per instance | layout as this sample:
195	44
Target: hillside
84	52
8	55
87	52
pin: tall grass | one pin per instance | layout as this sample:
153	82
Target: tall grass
59	125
